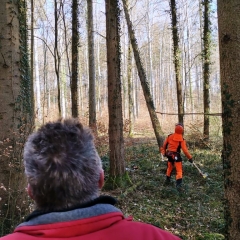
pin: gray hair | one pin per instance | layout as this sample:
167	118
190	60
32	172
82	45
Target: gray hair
62	165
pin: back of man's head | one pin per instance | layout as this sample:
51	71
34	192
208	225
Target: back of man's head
62	165
179	129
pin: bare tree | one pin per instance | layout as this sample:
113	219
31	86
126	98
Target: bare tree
130	89
91	75
32	51
57	57
15	113
206	66
116	142
177	60
229	29
75	46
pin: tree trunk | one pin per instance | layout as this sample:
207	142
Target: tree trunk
37	86
57	57
143	78
75	46
32	52
91	57
116	142
229	29
206	67
130	90
177	60
15	113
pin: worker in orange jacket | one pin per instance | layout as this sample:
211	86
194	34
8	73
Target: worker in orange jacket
171	149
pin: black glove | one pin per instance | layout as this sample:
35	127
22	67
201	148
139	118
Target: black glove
190	160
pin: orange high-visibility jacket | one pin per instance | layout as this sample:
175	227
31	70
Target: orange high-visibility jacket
172	145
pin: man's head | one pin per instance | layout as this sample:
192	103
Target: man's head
179	130
62	165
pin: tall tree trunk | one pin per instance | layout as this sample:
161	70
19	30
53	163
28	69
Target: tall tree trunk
116	142
75	46
143	78
206	67
57	57
149	58
200	78
229	29
46	100
177	60
37	85
91	57
15	112
130	90
32	52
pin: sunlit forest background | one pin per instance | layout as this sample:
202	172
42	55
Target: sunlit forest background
152	24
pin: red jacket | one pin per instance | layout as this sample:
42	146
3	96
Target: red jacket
107	226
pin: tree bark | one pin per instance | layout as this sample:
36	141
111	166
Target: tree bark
75	46
32	52
91	57
177	60
57	57
130	90
206	67
116	142
229	47
15	112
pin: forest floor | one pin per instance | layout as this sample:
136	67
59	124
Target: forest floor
196	213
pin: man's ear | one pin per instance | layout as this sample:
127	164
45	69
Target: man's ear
29	191
101	180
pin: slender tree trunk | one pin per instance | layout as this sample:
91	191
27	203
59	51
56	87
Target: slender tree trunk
98	79
91	57
206	67
199	68
229	29
149	58
75	46
66	39
116	142
32	52
130	91
177	60
57	57
37	85
143	78
46	100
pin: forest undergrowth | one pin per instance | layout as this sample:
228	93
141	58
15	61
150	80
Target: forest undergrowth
196	213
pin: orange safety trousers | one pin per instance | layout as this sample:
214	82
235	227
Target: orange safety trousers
178	166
